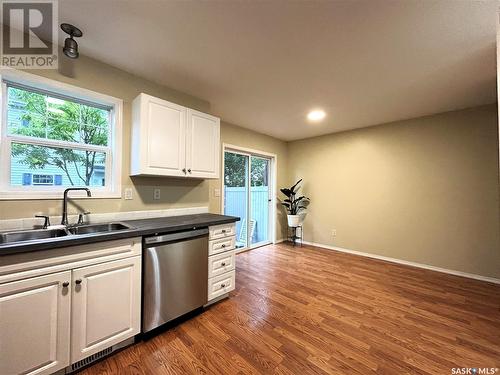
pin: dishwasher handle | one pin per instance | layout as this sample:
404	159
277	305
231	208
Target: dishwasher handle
175	236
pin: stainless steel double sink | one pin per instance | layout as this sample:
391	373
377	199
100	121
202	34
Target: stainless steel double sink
41	234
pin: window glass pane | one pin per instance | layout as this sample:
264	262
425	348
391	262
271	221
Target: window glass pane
43	179
236	193
259	196
41	165
42	116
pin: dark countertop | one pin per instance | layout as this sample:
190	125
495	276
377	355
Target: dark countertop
139	228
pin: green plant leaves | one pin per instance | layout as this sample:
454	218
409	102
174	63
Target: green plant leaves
292	204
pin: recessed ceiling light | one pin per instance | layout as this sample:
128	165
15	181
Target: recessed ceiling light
316	115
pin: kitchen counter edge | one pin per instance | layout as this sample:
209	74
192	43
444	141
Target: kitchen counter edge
141	227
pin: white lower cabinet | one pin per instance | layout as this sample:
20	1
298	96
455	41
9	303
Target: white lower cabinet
219	285
221	261
106	306
221	245
35	324
60	317
222	231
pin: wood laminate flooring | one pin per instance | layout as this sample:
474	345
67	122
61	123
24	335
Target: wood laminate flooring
314	311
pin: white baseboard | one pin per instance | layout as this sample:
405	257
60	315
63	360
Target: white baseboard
406	263
280	240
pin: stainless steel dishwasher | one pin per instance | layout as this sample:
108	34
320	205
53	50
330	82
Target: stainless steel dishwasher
175	275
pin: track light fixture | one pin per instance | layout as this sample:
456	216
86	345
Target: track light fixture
70	48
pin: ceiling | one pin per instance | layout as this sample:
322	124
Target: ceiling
264	64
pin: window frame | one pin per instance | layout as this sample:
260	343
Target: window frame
33	183
113	164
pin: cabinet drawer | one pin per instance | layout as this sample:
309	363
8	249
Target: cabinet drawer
221	231
222	263
219	285
222	245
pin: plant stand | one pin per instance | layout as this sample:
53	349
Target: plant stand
293	234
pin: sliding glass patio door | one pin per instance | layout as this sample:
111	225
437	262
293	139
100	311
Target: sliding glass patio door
260	199
247	194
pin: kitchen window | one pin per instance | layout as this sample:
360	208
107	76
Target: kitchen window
55	136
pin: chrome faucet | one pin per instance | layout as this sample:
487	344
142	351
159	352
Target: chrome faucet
64	220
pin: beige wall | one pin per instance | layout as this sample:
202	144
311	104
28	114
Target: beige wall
175	192
422	190
100	77
235	135
498	80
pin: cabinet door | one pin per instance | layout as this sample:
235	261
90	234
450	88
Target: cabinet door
202	145
34	324
166	137
106	306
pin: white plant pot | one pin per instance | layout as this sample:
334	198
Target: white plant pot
295	220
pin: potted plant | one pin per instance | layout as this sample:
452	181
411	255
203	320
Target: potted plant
294	205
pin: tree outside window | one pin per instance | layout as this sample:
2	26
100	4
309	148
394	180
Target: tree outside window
40	116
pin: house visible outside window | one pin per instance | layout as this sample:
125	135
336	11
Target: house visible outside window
56	136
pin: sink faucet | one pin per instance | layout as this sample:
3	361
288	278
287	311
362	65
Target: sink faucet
64	220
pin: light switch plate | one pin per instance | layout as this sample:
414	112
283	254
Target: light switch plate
128	194
216	192
156	194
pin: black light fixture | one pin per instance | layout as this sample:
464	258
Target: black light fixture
70	48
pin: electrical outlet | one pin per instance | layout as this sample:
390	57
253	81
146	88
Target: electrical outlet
128	194
157	194
334	232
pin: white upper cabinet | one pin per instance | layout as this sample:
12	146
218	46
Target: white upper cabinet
158	137
172	140
202	146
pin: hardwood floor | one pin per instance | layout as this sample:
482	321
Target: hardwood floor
314	311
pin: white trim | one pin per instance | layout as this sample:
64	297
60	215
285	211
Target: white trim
273	159
250	150
113	151
406	263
